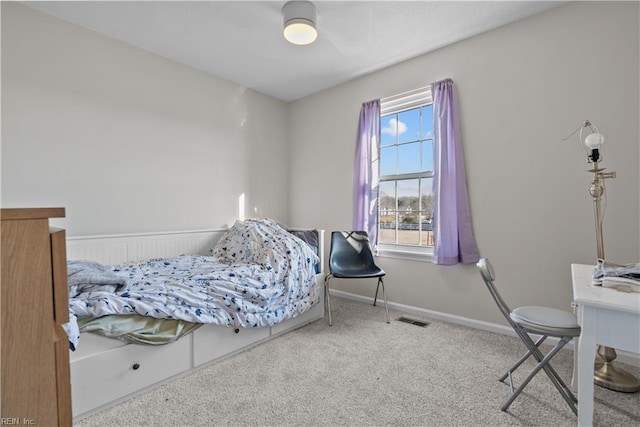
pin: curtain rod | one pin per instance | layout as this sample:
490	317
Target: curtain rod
404	94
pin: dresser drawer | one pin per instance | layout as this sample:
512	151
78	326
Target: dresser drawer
118	372
211	342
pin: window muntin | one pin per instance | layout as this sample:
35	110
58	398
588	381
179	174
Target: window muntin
405	209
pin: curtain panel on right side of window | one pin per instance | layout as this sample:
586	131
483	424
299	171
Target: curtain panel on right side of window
452	226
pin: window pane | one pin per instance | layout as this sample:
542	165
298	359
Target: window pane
389	160
427	121
408	234
426	198
426	220
387	233
388	129
409	158
387	213
427	155
387	196
409	125
409	212
408	195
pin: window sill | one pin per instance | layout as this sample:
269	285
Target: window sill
406	254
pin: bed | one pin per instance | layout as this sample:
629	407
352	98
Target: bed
106	370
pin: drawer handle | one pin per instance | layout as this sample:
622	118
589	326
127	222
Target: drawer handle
136	366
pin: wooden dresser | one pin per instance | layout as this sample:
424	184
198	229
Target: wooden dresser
36	389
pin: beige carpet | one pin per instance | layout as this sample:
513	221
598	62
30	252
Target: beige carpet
364	372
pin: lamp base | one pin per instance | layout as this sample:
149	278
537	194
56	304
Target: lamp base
608	376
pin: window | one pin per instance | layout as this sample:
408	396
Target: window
396	167
405	201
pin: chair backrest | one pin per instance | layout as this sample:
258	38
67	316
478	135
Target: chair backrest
350	252
488	275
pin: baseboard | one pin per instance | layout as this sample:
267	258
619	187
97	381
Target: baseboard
623	356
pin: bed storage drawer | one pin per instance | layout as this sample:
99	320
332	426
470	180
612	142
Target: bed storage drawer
115	373
211	342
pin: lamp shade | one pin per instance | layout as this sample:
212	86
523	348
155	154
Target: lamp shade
299	22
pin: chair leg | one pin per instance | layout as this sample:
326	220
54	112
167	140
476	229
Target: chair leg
521	360
549	370
326	297
562	387
384	294
538	355
543	363
555	378
375	298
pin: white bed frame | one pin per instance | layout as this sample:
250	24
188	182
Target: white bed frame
107	371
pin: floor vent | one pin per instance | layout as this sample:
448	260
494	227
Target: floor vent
413	322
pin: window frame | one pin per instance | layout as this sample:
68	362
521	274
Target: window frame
395	105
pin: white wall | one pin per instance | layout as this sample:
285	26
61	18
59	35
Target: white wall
522	88
131	142
128	141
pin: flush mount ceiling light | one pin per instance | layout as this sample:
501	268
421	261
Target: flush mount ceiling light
300	22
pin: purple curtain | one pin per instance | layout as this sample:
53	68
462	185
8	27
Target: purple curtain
454	240
365	171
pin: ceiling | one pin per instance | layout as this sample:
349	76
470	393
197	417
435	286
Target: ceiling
241	41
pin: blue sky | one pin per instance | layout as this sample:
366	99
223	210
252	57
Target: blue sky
407	129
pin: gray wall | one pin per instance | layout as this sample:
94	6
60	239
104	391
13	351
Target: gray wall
128	141
522	88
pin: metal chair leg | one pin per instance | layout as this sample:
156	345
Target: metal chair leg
543	363
555	378
326	297
375	298
384	294
521	360
562	387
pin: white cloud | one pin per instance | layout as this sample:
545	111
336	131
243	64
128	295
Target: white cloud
396	127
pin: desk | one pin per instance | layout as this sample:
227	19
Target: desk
607	317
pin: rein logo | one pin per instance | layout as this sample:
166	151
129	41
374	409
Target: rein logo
6	421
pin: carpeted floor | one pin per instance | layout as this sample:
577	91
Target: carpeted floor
364	372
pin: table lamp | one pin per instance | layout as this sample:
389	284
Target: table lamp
605	375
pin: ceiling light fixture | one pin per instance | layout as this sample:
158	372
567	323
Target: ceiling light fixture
300	22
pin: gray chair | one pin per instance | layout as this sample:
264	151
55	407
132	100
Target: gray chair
543	321
350	257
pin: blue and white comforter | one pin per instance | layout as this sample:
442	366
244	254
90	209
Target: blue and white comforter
259	275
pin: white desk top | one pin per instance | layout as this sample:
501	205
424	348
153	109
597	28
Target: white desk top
586	293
